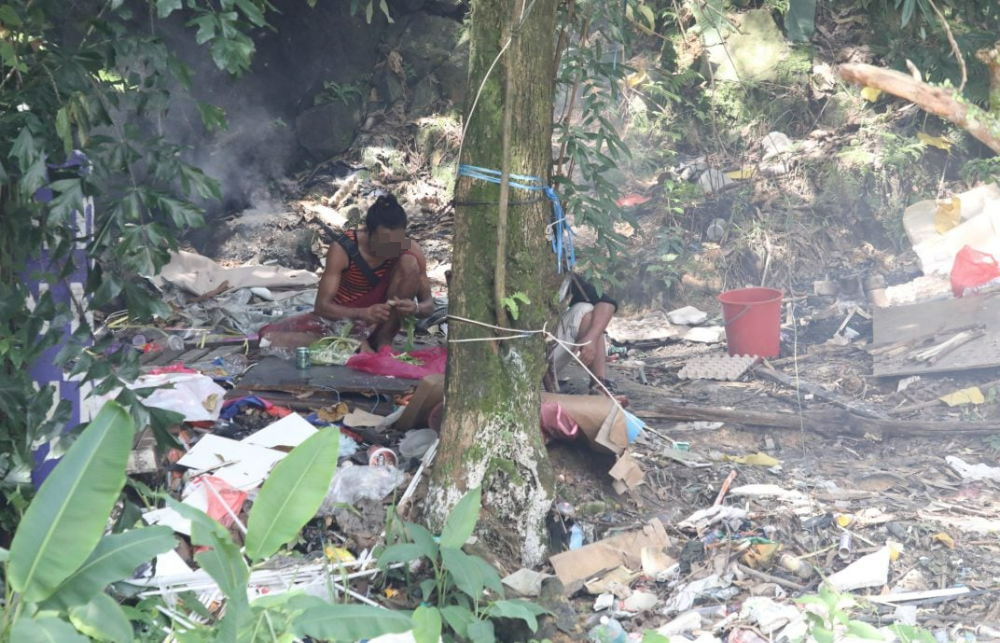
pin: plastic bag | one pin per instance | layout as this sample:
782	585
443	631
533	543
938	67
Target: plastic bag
355	483
333	350
972	268
385	362
198	495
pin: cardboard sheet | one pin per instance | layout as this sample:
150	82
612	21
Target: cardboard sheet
577	566
199	275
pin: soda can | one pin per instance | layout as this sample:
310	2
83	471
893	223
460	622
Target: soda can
302	359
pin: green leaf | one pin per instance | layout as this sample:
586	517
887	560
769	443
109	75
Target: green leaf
369	11
822	635
829	597
908	7
491	578
426	625
423	538
350	622
292	494
458	618
4	555
464	571
102	619
651	636
252	12
402	553
64	130
115	558
523	610
34	177
385	10
222	560
911	634
865	631
800	21
166	7
66	519
482	632
9	16
48	629
462	520
427	588
212	117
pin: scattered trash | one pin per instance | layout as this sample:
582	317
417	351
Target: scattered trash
687	316
970	395
713	180
575	567
717	367
869	571
609	631
353	483
755	459
526	582
416	443
974	472
706	334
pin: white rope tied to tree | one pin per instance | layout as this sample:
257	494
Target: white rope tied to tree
521	334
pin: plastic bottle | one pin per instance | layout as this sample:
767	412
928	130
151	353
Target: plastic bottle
175	343
575	537
609	631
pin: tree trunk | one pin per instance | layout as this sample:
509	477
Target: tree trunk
937	100
490	435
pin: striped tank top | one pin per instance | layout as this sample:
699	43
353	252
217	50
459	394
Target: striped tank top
353	283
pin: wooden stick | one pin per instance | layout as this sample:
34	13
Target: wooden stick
223	287
861	409
772	579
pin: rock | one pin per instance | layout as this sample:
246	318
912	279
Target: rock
424	96
712	180
775	143
453	74
753	53
327	130
427	42
388	87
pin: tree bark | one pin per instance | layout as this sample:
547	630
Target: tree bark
490	434
939	101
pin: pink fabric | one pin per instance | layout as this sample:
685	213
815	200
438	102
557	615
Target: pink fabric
557	423
173	368
384	362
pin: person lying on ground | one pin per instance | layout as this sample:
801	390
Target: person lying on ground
375	277
584	321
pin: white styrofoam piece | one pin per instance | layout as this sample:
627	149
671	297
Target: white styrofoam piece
250	466
290	431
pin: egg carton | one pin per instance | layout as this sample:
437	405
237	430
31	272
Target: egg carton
725	368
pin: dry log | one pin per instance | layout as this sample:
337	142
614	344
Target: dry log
818	391
939	101
830	422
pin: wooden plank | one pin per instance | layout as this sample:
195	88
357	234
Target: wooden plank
829	422
274	373
900	324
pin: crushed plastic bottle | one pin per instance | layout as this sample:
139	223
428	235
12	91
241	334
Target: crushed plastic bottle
609	631
575	537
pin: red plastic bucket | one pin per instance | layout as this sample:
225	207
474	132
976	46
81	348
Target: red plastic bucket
753	321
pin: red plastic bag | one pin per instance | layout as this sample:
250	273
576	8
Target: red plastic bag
384	362
972	268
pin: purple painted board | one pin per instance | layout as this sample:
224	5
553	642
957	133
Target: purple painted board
44	371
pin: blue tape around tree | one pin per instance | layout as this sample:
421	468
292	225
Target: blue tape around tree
562	233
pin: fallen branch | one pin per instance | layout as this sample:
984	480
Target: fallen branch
818	391
829	422
768	578
939	101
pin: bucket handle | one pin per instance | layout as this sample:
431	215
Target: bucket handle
746	309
